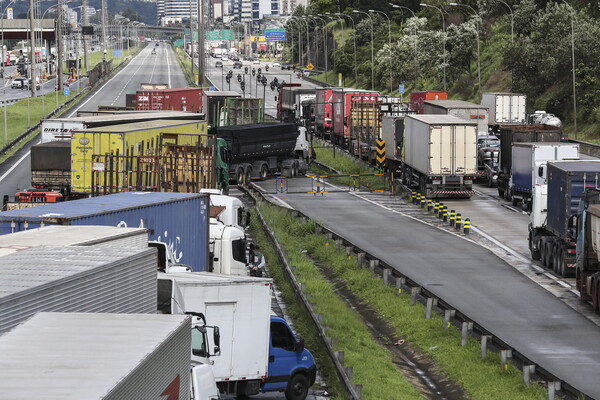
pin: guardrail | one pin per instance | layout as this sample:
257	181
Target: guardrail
452	315
590	149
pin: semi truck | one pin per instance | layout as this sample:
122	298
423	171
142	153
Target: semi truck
510	134
258	352
552	231
102	356
180	220
434	154
505	108
91	149
342	101
61	128
527	159
75	279
296	104
180	99
258	150
587	272
462	109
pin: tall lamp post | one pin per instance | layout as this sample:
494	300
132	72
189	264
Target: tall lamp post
573	68
354	37
324	47
443	37
389	44
4	72
477	33
512	21
415	38
372	56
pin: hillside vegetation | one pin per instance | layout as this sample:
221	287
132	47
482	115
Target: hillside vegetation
535	59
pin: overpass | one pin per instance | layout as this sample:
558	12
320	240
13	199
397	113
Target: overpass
18	29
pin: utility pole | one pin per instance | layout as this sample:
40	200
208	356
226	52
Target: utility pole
191	39
201	59
85	41
32	60
103	30
59	50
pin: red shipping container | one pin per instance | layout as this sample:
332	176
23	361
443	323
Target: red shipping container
181	99
342	104
417	98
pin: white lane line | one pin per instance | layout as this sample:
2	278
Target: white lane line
97	91
130	79
564	284
168	68
13	167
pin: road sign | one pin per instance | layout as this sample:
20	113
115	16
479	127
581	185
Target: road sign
66	90
380	153
401	89
310	67
275	34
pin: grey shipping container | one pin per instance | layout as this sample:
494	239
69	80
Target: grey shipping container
76	279
462	109
179	219
567	180
73	356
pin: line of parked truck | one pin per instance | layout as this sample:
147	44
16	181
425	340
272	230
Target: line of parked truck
124	257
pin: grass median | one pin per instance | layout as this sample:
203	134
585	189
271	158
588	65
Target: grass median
481	378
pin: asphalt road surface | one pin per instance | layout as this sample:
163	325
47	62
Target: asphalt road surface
467	276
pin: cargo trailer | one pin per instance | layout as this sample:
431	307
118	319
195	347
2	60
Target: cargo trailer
323	111
181	220
76	279
439	154
178	99
342	100
505	108
74	356
587	272
529	161
555	207
213	103
462	109
419	97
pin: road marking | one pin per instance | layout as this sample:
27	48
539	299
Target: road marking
14	166
564	284
168	67
130	79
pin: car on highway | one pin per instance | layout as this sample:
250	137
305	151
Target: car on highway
256	61
19	83
237	64
224	58
285	66
219	64
276	64
153	51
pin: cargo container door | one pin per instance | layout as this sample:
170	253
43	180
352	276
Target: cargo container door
223	315
440	150
465	150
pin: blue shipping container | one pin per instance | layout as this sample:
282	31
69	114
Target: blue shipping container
179	219
567	180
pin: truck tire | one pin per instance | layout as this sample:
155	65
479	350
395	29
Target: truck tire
535	254
239	176
264	172
500	192
595	296
297	388
515	201
248	175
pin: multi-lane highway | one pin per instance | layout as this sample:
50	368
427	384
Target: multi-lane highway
162	67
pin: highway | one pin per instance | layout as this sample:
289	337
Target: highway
162	67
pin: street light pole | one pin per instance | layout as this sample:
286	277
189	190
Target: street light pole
573	68
389	44
372	56
325	48
4	71
512	21
414	37
477	33
354	37
443	37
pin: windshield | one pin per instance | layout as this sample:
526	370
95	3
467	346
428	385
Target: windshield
491	143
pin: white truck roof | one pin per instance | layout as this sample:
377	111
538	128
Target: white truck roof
78	356
73	235
440	119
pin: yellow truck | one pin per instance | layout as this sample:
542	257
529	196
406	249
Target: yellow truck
123	157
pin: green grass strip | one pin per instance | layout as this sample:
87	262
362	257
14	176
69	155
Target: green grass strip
372	364
481	378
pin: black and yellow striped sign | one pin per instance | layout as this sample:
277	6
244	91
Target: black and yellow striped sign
380	157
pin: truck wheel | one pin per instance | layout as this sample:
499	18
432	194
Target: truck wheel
535	254
297	388
263	172
239	176
248	175
294	170
595	296
515	202
501	193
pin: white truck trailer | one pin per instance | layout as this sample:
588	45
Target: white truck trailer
74	356
438	154
529	165
76	279
257	352
505	108
465	110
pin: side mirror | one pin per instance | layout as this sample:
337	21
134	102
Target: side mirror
541	171
299	347
217	341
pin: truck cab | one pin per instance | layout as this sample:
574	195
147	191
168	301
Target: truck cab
227	249
291	366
